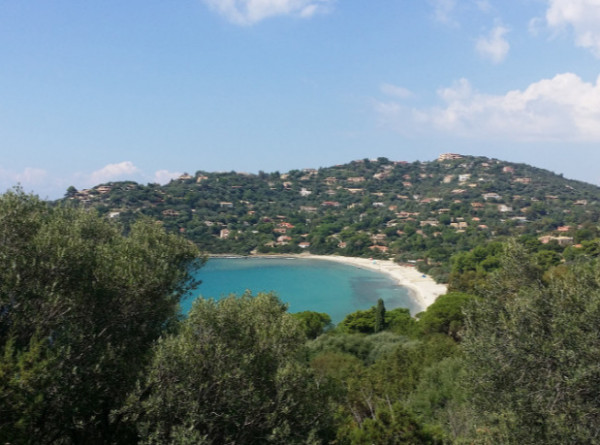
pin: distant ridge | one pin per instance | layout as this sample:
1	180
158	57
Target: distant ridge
416	212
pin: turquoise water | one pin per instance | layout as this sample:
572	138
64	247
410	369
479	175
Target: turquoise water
305	284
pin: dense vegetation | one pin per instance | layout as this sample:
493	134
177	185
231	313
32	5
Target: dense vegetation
420	212
92	349
80	308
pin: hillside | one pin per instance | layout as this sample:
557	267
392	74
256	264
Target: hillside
420	212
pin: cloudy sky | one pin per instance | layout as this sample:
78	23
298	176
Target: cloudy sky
144	90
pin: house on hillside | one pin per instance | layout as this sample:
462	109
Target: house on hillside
449	157
488	196
561	240
379	237
356	179
521	219
430	200
283	240
522	180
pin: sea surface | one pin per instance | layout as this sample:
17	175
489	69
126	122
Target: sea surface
304	284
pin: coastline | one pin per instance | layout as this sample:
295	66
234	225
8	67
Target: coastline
423	289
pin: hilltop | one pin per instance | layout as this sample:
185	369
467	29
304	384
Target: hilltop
416	212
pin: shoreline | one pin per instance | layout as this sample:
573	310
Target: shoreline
422	288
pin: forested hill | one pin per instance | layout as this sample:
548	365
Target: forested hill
420	212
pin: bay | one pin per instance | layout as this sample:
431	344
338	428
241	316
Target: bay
304	284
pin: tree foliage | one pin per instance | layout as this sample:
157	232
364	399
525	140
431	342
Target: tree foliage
532	348
80	305
445	315
232	374
391	425
313	323
379	316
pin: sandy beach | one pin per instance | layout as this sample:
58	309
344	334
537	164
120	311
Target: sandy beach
424	289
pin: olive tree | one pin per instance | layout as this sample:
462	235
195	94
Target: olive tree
233	374
80	306
532	348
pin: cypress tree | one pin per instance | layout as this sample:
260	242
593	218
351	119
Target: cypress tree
380	316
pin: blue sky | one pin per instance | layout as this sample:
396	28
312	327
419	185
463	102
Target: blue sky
92	92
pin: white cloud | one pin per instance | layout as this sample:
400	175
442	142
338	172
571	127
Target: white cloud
164	176
112	172
494	46
564	108
395	91
583	16
53	185
29	177
535	26
443	11
248	12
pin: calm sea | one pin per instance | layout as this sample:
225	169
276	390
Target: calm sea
305	284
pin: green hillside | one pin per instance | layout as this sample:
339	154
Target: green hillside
420	212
